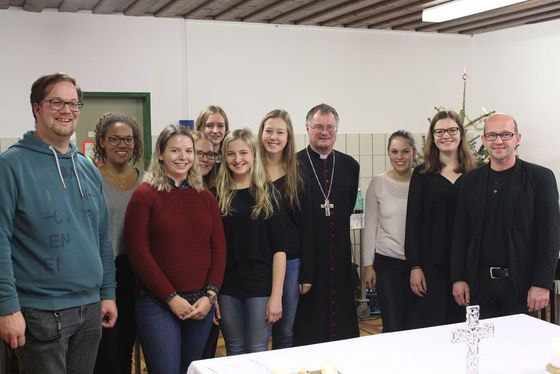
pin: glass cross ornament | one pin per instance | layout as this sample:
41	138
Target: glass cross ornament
472	335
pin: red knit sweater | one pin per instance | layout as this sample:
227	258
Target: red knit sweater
175	240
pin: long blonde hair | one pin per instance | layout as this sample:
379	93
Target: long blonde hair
289	159
156	176
259	188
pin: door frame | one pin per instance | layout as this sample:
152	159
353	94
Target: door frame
146	113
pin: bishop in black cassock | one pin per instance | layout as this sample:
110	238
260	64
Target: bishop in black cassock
328	311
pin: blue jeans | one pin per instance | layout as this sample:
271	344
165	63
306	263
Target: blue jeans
59	342
169	344
244	324
283	330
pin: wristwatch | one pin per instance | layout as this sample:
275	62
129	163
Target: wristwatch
212	297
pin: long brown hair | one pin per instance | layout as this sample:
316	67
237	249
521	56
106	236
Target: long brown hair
289	159
465	158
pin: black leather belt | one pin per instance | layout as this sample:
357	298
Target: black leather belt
497	272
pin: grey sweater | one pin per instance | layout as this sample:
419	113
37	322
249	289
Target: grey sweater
117	201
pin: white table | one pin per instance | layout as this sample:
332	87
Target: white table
521	344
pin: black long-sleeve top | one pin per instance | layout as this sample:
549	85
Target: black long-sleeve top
299	229
251	245
430	213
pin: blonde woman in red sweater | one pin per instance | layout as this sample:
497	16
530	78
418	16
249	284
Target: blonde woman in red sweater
176	244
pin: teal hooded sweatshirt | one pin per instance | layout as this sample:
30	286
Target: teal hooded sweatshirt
55	248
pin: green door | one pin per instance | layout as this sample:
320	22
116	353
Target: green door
97	103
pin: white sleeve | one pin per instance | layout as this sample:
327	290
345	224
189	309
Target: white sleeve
371	223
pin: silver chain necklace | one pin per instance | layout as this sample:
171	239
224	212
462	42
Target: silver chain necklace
327	205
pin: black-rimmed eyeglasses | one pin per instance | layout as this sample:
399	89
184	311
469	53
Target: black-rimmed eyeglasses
116	140
452	131
58	104
209	155
506	135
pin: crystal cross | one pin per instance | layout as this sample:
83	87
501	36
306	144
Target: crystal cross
472	335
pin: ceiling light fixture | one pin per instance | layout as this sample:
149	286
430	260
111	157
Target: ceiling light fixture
462	8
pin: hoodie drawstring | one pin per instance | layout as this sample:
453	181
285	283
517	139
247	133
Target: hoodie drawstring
73	168
76	174
57	165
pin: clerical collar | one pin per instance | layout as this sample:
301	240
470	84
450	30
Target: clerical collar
321	156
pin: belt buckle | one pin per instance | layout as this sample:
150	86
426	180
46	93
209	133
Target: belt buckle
492	268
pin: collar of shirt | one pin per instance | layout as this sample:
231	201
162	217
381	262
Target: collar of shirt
182	186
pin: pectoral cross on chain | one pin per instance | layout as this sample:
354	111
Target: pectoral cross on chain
327	206
472	335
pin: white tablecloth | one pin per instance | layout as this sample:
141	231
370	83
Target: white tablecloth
521	344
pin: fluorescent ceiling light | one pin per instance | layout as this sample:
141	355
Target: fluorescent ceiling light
462	8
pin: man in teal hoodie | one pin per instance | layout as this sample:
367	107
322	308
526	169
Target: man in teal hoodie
57	276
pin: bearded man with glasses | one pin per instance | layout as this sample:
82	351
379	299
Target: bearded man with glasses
57	276
507	229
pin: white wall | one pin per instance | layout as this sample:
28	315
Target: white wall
103	52
378	81
517	71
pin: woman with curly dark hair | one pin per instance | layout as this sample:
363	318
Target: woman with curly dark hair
117	148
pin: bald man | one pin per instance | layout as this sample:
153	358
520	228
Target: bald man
507	229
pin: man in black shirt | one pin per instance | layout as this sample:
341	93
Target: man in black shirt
507	229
